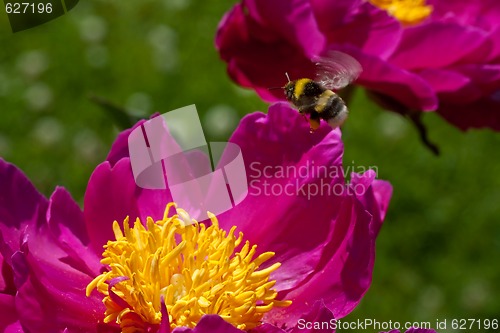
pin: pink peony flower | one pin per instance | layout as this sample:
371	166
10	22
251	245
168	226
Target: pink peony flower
441	56
315	251
457	52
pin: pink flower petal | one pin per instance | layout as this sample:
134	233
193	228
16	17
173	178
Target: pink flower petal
344	275
14	328
482	14
22	208
484	77
436	45
67	225
210	324
119	149
283	230
374	194
304	232
358	24
245	45
481	114
267	328
332	14
319	319
403	86
6	277
292	20
51	296
444	81
110	196
319	315
9	319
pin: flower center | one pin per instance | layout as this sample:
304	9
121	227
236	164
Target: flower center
407	12
185	268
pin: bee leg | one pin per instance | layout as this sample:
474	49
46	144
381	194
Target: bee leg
314	124
314	121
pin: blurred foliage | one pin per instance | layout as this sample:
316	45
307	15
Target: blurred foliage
439	250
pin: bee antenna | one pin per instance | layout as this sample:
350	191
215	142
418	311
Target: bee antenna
274	88
287	76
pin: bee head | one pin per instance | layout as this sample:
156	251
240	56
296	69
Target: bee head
289	90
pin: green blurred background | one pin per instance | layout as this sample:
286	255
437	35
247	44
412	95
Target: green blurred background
438	253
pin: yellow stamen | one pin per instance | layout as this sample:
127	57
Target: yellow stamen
408	12
193	268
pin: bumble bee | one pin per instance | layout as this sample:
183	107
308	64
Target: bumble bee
316	98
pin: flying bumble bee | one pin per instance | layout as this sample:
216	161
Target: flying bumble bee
316	97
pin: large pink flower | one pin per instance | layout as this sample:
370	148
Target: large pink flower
457	51
325	242
448	61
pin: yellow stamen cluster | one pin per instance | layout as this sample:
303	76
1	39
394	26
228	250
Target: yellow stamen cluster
193	268
407	12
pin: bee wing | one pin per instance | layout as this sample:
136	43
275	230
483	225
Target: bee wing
337	69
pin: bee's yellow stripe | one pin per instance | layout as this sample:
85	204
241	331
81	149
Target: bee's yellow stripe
299	87
323	100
